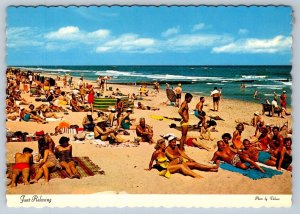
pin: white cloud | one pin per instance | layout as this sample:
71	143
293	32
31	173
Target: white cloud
18	37
128	43
198	26
242	31
171	31
73	33
252	45
191	41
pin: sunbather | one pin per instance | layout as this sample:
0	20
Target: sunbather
165	166
22	165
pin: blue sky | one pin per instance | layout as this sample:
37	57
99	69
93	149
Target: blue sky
149	35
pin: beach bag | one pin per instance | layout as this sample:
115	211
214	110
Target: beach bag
80	136
40	133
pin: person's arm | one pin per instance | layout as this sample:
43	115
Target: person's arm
71	151
153	157
181	110
46	154
215	159
282	152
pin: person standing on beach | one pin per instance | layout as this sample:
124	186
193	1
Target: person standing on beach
283	100
178	91
216	95
30	77
199	111
184	113
91	95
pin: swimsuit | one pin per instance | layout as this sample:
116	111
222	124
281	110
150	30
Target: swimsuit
216	99
26	117
52	159
182	123
178	96
162	165
286	162
46	88
236	159
126	123
189	141
263	157
21	166
65	155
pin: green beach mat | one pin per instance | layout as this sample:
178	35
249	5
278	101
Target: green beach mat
105	103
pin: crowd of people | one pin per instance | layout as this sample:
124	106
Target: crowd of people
268	145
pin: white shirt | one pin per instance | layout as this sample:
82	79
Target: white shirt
274	103
216	91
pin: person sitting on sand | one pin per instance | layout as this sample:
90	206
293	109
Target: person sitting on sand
117	92
284	157
143	91
278	109
46	85
144	131
237	135
112	117
205	132
64	154
174	153
101	132
257	122
264	139
165	166
22	165
74	104
256	155
226	137
199	113
26	116
88	122
49	161
119	105
125	120
277	141
224	153
144	107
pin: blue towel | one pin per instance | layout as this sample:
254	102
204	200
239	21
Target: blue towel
251	173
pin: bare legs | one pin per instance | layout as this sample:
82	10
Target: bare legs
16	172
173	168
70	169
184	132
44	169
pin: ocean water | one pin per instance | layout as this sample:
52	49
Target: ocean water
196	79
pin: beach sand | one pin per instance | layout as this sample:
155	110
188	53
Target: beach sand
125	167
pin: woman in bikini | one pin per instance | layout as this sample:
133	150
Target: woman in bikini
64	153
49	161
237	134
165	167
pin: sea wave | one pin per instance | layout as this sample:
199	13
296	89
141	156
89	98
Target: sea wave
254	76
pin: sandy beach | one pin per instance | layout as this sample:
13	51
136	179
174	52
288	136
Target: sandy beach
125	166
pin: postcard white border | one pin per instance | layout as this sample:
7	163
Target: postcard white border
296	103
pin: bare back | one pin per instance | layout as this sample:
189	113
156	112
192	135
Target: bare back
23	158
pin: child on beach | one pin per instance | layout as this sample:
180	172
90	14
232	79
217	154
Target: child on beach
22	165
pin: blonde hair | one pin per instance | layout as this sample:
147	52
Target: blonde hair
159	143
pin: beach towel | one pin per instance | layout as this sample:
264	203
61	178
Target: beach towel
85	168
54	119
157	117
251	173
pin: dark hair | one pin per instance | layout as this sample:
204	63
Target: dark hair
226	135
275	127
201	98
215	88
188	95
63	140
245	141
31	105
63	93
26	149
287	139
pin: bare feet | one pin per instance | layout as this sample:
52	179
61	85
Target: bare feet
33	181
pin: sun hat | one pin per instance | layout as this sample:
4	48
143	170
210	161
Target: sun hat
89	113
284	92
171	137
128	109
99	120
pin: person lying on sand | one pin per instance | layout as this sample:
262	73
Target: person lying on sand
75	105
196	142
64	154
173	153
47	113
26	116
22	165
167	167
256	155
144	107
144	131
224	153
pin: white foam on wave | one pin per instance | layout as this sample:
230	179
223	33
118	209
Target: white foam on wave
254	76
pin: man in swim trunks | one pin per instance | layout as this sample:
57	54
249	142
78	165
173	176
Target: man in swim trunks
199	111
22	165
224	153
184	113
216	95
27	116
178	91
144	131
256	155
174	153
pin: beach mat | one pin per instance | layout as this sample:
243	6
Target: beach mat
171	95
251	173
85	168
